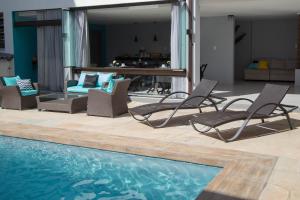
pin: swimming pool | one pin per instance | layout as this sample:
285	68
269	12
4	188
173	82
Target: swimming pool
42	170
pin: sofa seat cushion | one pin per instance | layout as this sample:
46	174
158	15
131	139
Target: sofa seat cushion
11	81
80	89
25	93
256	74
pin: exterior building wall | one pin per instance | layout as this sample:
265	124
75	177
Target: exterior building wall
217	48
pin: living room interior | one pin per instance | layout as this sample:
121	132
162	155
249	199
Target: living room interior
266	49
133	37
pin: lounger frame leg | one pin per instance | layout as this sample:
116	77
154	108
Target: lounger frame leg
205	131
289	121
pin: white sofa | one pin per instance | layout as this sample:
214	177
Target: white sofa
279	70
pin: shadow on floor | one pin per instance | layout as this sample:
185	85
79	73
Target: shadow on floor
254	131
251	131
208	195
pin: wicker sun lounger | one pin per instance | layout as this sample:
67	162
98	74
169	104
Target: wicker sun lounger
267	105
201	97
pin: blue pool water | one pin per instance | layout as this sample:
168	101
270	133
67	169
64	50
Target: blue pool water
41	170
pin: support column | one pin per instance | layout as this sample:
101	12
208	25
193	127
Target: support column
297	70
190	45
298	46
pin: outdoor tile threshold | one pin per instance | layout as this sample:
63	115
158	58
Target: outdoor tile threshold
244	175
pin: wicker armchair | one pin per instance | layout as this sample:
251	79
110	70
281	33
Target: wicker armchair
109	105
12	98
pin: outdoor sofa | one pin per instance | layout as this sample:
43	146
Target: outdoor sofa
14	98
77	86
267	105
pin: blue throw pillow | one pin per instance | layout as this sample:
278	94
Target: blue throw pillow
112	84
11	81
104	78
81	79
253	66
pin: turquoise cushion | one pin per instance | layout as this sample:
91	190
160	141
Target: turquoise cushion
253	66
80	89
104	78
11	81
81	79
25	93
112	84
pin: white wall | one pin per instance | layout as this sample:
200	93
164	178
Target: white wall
274	38
217	48
120	38
7	6
266	38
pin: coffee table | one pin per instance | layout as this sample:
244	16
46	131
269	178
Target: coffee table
60	102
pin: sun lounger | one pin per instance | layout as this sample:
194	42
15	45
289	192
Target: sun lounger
201	97
267	105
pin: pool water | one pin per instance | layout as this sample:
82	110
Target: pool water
41	170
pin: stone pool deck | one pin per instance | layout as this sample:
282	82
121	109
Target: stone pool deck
261	159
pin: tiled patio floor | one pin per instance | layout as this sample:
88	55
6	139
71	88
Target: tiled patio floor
284	181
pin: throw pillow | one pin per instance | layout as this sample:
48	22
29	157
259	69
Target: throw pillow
11	81
81	79
104	78
112	84
24	84
263	65
90	81
252	66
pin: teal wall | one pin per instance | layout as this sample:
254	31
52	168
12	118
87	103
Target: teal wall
102	30
25	48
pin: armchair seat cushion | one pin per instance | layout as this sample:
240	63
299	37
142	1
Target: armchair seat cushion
80	89
25	93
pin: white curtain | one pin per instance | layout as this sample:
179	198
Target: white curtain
81	39
50	54
178	48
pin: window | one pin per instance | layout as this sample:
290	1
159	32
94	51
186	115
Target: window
1	31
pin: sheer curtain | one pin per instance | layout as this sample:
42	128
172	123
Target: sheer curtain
81	38
50	52
178	45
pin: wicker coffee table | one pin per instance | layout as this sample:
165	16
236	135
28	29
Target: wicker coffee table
71	103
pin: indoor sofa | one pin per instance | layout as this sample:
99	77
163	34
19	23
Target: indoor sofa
278	70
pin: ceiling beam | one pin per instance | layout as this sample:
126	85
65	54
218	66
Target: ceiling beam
145	3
